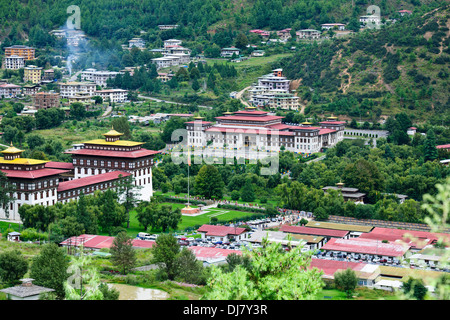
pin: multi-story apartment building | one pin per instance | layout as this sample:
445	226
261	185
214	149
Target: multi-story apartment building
9	90
274	81
276	100
284	34
45	100
136	42
70	89
21	51
308	34
32	74
13	62
163	62
113	95
99	77
30	89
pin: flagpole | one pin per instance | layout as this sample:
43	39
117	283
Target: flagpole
189	164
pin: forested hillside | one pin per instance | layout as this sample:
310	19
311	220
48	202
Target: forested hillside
121	19
403	67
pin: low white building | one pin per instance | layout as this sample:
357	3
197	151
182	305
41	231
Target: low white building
222	233
338	26
172	42
308	34
99	77
70	89
113	95
228	52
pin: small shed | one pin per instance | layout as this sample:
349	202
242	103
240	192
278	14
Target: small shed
26	291
13	236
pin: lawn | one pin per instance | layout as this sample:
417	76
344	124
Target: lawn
360	293
189	221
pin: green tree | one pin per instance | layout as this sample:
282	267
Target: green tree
274	274
189	269
195	85
78	111
365	176
108	293
6	193
49	269
13	266
209	183
346	281
414	288
123	126
167	217
112	213
431	152
122	252
165	254
248	194
129	194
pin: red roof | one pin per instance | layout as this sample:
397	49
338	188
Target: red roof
114	154
59	165
205	253
220	231
314	231
32	174
87	181
417	239
99	242
9	85
250	118
330	267
366	246
326	131
443	146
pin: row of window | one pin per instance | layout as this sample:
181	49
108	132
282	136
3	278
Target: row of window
113	164
38	185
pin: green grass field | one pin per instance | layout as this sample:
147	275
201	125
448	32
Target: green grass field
189	221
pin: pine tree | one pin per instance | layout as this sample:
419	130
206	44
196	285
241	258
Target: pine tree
122	253
431	152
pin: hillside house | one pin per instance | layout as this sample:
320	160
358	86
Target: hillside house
228	52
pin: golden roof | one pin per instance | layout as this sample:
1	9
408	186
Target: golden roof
12	150
119	143
23	161
112	133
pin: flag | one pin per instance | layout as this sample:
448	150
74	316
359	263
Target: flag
189	156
